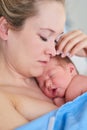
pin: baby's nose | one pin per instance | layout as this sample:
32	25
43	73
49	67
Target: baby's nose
48	84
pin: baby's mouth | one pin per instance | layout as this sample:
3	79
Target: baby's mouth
57	92
53	92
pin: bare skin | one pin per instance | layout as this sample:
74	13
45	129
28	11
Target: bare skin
23	55
77	87
22	104
73	43
61	82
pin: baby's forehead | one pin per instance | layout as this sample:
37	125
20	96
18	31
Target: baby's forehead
53	63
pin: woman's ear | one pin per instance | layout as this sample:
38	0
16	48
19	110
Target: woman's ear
3	28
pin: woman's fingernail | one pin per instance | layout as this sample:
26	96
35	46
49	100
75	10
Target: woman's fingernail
67	54
63	55
58	52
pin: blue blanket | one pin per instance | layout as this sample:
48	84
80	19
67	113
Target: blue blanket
71	116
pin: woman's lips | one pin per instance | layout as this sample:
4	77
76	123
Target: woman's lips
43	62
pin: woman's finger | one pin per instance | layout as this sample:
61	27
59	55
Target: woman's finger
66	38
73	42
80	48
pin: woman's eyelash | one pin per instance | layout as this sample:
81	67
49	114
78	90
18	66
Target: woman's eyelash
43	38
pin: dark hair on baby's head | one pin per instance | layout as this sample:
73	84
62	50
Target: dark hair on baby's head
64	61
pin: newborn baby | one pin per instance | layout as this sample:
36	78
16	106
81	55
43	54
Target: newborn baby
61	80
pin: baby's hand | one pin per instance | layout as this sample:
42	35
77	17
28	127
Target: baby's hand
73	43
58	101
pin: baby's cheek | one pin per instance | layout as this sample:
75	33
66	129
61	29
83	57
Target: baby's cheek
60	92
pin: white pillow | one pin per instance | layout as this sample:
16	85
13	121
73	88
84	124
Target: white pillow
81	64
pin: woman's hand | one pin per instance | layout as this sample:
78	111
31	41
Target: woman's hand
72	43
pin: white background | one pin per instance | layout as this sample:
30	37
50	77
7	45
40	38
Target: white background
76	12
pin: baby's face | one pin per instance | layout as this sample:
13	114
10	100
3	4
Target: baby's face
54	80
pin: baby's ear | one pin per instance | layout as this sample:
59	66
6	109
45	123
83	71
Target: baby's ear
72	69
3	28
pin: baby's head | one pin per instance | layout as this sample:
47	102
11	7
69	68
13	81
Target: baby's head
57	76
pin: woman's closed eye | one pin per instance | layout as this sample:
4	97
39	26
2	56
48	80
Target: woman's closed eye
43	38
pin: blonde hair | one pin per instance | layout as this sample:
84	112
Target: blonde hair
17	11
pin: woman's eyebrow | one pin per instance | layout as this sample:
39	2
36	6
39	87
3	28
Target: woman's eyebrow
48	29
51	30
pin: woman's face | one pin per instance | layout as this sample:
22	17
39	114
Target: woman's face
29	50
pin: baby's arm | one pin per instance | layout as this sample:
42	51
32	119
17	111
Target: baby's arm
77	87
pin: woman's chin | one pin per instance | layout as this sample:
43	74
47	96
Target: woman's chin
38	72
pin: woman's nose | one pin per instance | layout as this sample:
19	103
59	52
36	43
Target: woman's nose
51	50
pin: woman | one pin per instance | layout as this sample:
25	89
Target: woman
28	33
27	42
